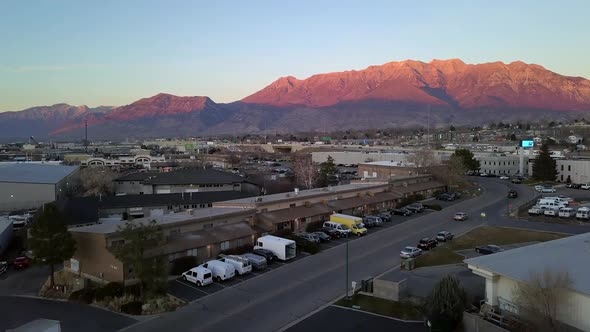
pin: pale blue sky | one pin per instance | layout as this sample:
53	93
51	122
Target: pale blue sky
115	52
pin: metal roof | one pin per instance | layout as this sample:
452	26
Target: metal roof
569	254
34	173
167	219
184	176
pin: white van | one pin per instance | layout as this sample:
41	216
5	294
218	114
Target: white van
241	264
551	212
198	275
220	270
341	229
583	213
567	212
565	200
552	204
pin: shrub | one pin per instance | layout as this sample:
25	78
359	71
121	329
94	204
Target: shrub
239	250
84	295
132	290
112	289
132	308
435	207
314	226
182	264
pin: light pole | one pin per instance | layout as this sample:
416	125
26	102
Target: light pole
347	298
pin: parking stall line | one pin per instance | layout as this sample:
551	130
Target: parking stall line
193	287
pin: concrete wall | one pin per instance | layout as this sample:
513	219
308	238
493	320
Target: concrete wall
389	290
472	322
20	196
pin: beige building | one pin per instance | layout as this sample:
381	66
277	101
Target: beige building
504	271
202	233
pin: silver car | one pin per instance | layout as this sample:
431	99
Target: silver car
410	252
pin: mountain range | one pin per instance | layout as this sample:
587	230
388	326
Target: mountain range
405	93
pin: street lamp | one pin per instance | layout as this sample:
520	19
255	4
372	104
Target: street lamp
347	240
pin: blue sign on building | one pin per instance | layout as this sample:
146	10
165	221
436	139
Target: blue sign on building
527	143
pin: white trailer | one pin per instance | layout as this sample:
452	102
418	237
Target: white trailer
284	249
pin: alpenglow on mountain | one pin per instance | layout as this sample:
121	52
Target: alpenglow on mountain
402	93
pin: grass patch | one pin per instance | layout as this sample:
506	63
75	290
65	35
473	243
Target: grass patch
445	254
406	310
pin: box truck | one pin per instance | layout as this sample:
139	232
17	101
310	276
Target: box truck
355	224
284	249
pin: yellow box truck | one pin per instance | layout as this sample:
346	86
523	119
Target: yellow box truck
355	224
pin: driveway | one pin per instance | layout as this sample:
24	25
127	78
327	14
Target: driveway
339	319
73	317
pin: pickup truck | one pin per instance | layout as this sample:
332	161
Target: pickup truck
535	211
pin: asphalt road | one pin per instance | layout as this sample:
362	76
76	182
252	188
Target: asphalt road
73	317
273	300
338	319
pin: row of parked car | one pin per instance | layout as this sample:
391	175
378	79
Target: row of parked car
559	207
448	196
426	243
267	250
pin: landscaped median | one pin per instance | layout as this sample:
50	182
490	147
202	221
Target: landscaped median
405	310
446	253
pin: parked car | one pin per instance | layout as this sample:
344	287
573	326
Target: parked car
551	212
574	185
583	213
585	186
322	236
538	188
258	262
21	262
444	236
341	229
401	212
566	212
386	217
220	270
455	194
516	180
410	252
427	243
309	237
267	254
415	207
372	221
548	190
460	216
488	249
445	197
239	263
334	234
504	177
198	275
512	193
535	211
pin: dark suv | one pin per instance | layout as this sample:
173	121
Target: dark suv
512	193
427	243
270	257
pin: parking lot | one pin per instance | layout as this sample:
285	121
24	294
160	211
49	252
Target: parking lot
189	292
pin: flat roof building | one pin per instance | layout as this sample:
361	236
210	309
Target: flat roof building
30	185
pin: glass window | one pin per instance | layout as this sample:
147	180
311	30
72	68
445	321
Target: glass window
569	168
224	245
191	252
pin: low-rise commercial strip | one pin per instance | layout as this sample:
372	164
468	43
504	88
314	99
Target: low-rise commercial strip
204	233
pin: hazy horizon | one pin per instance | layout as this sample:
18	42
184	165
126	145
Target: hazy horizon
56	52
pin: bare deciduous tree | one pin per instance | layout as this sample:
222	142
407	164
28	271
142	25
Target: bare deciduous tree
423	160
539	299
96	180
305	170
448	173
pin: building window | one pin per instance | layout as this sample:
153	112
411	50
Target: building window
292	205
562	168
202	205
185	206
210	204
561	177
224	245
192	252
242	241
169	207
569	168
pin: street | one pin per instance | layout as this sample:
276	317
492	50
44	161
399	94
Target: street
275	299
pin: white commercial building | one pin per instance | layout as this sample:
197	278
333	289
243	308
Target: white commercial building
504	271
578	170
501	164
